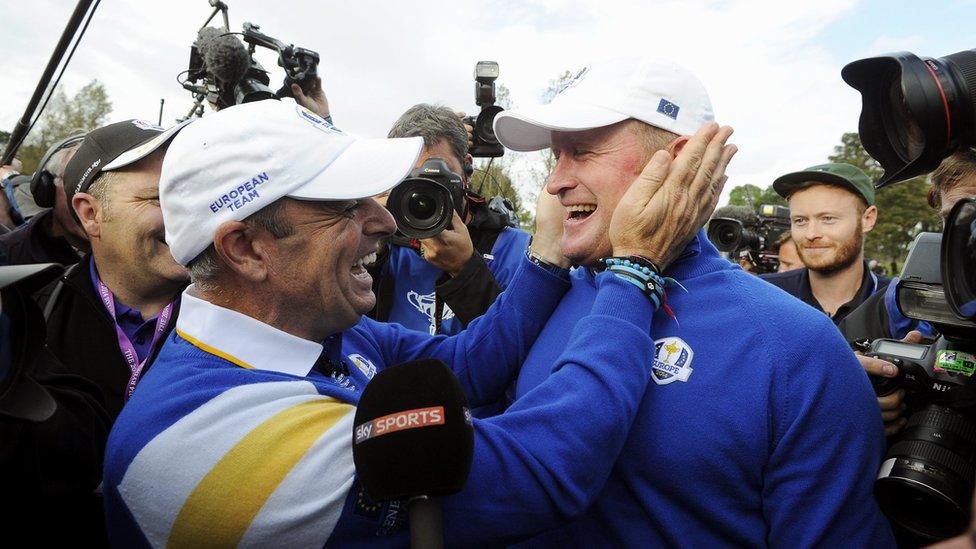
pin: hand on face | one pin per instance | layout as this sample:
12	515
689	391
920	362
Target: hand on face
671	199
549	215
449	250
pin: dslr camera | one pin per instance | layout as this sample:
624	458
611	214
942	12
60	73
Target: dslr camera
752	234
485	145
424	203
915	112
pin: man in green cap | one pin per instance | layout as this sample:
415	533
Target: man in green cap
831	209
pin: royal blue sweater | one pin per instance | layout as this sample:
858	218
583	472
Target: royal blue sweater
760	428
233	438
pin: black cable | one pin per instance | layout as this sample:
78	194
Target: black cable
64	66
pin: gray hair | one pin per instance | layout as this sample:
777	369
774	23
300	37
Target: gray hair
207	266
433	123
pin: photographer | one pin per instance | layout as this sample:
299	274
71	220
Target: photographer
452	277
831	209
52	235
880	317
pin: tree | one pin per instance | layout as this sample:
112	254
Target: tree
903	209
753	196
492	179
87	110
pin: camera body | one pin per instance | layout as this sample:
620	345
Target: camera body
927	477
754	235
424	203
485	144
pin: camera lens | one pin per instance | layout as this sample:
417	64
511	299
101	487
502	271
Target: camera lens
725	233
421	206
959	259
902	129
926	480
915	111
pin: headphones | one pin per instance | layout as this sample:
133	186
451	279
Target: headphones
42	182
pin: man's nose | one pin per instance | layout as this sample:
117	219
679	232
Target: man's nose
378	220
562	178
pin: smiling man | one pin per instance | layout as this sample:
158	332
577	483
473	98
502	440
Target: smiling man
831	209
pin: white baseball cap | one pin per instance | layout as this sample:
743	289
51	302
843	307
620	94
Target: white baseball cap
654	91
232	163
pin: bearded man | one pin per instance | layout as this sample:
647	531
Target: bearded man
831	209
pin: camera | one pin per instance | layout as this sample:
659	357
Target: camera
424	203
225	73
485	144
753	234
915	110
927	477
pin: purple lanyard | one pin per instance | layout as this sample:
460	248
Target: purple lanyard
129	350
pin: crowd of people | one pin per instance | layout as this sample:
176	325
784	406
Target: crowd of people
228	287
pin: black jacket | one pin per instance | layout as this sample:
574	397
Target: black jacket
82	336
797	284
31	244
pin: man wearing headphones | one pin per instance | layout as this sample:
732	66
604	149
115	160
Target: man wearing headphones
51	236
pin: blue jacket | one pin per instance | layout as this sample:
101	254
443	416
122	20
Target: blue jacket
235	437
760	428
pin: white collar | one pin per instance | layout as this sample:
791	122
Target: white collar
245	341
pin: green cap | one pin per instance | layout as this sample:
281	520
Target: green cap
844	175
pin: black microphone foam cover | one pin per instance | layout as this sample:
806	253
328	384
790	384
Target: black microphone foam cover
223	54
745	214
413	434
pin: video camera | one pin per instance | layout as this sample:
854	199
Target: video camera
739	231
225	73
485	145
917	111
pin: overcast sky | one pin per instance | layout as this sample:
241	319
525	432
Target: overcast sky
772	68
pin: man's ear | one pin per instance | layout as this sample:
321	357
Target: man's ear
244	249
869	218
87	207
675	146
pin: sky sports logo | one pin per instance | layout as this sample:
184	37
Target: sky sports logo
400	421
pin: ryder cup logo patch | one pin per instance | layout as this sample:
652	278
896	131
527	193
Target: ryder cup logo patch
672	360
364	365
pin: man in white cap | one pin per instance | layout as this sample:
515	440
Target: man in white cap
240	434
760	428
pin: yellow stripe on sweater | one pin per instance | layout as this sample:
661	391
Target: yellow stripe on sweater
221	508
213	350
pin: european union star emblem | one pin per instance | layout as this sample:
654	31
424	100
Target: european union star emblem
668	109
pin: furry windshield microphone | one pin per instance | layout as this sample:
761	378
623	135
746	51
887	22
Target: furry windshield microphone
745	214
224	55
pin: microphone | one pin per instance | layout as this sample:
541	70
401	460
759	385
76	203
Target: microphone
413	440
745	214
224	56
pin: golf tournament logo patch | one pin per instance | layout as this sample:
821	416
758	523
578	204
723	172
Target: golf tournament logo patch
427	305
364	365
672	360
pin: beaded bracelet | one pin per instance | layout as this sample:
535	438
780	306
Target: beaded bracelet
641	274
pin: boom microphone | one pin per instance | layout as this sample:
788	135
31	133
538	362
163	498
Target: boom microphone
413	439
224	56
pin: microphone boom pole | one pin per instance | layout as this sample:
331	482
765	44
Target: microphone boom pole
20	130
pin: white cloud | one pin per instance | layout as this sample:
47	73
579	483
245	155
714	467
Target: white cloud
767	72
